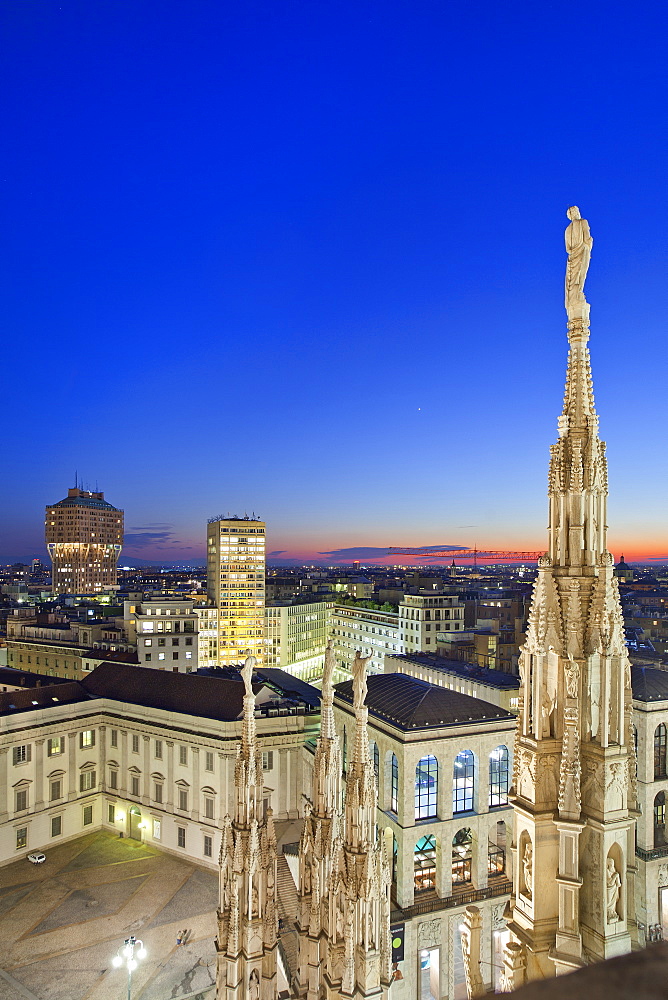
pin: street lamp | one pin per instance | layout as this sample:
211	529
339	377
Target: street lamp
127	955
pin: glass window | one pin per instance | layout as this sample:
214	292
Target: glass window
87	738
113	779
181	836
158	749
461	856
498	777
660	820
426	787
183	800
208	808
21	754
208	846
21	837
135	743
462	782
660	751
55	790
135	786
111	812
87	780
87	815
55	746
183	755
21	799
157	792
394	797
156	829
424	861
208	761
56	826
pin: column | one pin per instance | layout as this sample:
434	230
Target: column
146	784
71	766
123	783
102	759
169	803
194	812
406	868
4	762
444	863
281	803
39	775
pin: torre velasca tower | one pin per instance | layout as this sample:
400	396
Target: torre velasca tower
84	536
574	766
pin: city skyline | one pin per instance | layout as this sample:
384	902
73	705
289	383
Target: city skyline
361	218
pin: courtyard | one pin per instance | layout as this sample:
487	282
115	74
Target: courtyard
62	922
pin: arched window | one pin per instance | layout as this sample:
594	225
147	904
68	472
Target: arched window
424	859
496	850
660	820
462	782
426	787
394	792
462	851
660	751
498	777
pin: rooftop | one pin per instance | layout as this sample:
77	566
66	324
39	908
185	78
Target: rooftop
470	671
409	703
649	683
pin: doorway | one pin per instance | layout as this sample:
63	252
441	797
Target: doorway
430	967
135	821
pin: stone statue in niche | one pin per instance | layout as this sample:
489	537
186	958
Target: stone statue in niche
613	885
527	868
572	677
578	246
546	709
254	986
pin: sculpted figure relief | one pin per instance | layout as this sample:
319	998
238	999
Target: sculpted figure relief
578	246
247	673
527	867
359	675
613	887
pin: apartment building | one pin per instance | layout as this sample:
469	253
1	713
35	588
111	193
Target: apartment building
421	616
165	633
375	633
296	636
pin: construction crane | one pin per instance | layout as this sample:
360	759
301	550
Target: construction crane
474	554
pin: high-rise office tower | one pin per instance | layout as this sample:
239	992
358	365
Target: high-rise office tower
84	536
235	585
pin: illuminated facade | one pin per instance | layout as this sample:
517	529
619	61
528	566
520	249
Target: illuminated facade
84	536
235	586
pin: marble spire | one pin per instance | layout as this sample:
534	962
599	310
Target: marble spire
358	950
319	844
574	765
247	919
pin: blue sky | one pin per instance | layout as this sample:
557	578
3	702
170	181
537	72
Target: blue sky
307	260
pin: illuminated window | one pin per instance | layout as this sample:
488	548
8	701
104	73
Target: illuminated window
426	788
498	777
462	782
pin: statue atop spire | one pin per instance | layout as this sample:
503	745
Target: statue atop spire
574	766
247	919
578	246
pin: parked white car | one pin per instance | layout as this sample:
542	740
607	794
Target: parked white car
37	859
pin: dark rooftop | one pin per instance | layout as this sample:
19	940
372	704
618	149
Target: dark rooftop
46	696
409	703
84	502
471	671
649	683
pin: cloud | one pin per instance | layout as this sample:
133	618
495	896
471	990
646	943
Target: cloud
143	536
276	552
368	552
